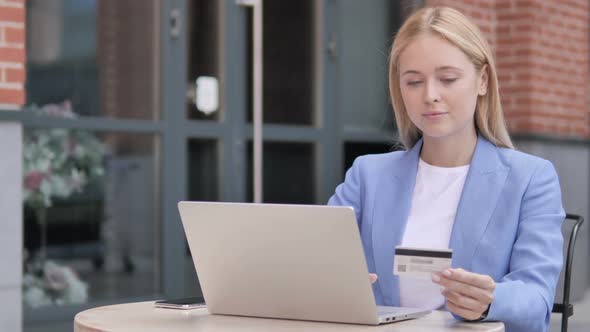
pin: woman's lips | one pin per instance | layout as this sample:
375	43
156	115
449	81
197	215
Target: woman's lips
434	115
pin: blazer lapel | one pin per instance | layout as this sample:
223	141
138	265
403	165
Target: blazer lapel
483	186
390	214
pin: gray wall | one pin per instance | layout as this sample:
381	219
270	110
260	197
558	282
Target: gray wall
572	162
11	226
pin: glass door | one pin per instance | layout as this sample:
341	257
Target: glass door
223	56
92	156
280	96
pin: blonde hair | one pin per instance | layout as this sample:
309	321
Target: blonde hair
455	28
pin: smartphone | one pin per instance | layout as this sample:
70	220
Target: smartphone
183	304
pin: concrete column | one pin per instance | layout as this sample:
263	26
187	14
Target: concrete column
11	230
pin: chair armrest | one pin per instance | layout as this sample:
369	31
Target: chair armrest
567	311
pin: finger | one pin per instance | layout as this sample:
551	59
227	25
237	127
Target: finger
373	277
480	294
470	278
464	301
463	312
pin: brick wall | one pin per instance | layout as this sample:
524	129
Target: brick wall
541	49
12	53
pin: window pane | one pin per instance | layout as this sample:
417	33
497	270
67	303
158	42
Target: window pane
365	40
203	183
288	58
203	170
96	58
90	207
203	54
288	173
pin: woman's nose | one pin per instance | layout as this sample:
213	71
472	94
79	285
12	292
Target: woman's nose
432	93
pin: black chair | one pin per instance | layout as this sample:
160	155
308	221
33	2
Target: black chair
565	308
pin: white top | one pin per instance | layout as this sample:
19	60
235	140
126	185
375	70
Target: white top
430	221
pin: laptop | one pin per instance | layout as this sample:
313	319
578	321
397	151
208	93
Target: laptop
302	262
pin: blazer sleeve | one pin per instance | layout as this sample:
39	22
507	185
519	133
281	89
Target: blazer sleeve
349	192
523	299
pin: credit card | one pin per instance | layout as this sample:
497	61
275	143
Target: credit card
420	262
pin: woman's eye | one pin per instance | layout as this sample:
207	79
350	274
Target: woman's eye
413	83
448	80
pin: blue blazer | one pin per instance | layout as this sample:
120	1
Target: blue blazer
507	226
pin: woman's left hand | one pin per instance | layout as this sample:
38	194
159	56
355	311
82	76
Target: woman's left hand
468	294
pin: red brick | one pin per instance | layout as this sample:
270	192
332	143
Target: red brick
487	5
526	3
14	75
503	29
14	35
580	132
11	14
502	53
515	16
10	54
504	78
12	96
549	116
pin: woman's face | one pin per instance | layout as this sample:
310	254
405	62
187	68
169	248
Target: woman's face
439	87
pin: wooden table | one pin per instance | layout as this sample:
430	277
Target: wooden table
143	316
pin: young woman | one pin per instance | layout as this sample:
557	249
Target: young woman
460	185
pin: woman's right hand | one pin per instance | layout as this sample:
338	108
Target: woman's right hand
372	277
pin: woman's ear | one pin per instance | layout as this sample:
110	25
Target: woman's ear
483	78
